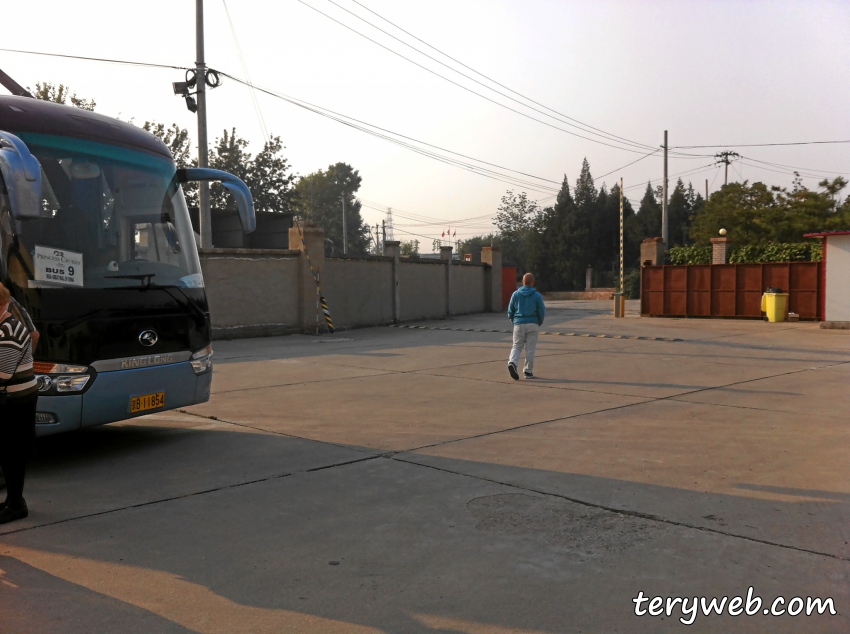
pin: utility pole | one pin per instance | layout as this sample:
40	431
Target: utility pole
204	216
706	189
622	268
724	157
344	227
384	242
664	224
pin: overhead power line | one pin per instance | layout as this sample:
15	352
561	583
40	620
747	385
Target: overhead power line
794	167
96	59
560	118
256	103
457	61
461	86
694	147
383	133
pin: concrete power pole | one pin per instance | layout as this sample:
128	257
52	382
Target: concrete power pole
665	228
706	189
204	216
344	228
622	267
724	157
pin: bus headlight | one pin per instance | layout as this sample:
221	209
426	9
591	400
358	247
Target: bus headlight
43	382
202	360
70	383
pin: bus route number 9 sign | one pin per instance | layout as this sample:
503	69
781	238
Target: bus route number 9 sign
57	266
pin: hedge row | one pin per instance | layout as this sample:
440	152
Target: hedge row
789	252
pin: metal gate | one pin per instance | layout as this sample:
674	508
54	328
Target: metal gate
729	290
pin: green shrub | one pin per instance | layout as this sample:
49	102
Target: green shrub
788	252
689	255
751	254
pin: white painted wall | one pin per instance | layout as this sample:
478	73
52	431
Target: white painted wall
837	253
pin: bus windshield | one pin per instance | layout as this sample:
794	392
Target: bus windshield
111	217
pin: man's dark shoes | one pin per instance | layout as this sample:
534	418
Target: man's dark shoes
528	375
10	513
514	373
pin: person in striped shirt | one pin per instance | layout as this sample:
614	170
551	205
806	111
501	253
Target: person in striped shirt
18	396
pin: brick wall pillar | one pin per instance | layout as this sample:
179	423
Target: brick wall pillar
446	256
719	250
392	248
492	279
652	252
309	238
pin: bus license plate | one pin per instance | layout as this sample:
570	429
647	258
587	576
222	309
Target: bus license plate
146	402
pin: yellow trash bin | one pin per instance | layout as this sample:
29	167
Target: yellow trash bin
775	305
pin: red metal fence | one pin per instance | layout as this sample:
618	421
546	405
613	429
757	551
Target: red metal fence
729	290
508	284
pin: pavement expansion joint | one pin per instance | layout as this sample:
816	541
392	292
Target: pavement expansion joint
542	332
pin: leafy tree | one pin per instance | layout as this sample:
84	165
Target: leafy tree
409	247
176	138
320	197
48	91
265	174
474	245
518	220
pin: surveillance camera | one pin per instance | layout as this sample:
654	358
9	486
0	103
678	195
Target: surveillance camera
190	103
180	87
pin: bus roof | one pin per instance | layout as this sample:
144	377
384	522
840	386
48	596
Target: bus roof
24	114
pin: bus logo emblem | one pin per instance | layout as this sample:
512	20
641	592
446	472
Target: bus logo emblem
148	338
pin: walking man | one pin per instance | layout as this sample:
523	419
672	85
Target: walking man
526	311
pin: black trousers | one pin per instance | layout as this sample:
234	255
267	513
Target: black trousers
17	436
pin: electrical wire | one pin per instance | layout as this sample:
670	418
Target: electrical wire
694	147
693	171
626	165
256	103
805	169
457	61
560	118
96	59
461	86
783	171
360	125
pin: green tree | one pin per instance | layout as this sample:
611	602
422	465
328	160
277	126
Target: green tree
320	197
266	174
518	220
176	138
48	91
409	247
474	245
180	145
749	214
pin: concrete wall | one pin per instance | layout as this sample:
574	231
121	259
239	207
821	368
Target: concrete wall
267	292
359	291
422	290
252	293
468	292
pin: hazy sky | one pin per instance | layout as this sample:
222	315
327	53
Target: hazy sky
710	72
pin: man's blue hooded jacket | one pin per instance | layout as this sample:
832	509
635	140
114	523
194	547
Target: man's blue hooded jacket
527	307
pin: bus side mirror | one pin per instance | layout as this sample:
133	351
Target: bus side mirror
240	191
21	173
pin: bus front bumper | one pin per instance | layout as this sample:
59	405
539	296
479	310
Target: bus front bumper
108	398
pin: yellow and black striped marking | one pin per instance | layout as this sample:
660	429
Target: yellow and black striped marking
543	332
327	313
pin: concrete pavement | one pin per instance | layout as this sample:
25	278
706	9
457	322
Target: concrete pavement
397	480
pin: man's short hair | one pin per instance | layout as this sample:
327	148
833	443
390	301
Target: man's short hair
528	279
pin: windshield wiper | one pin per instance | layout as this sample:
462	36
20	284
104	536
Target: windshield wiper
189	307
142	277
